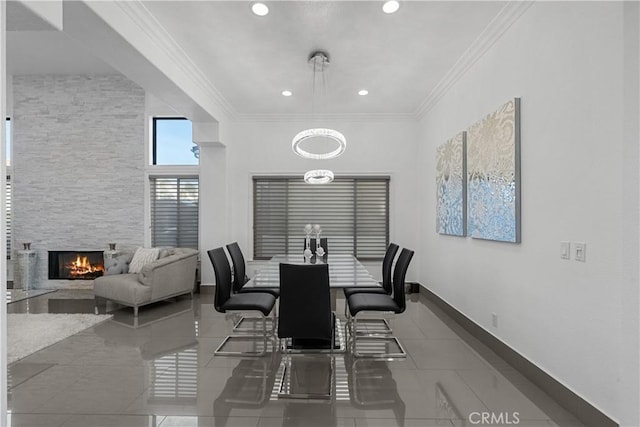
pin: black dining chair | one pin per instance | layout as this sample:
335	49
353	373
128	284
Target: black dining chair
386	288
306	322
387	264
225	301
368	302
240	278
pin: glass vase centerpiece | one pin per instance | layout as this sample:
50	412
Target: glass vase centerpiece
319	249
307	242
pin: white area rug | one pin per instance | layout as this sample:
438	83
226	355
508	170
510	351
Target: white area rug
28	333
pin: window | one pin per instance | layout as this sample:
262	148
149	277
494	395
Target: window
352	211
8	209
8	141
174	184
173	142
8	213
174	211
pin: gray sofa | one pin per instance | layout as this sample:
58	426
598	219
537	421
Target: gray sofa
167	277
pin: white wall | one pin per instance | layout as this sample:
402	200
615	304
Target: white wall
565	60
3	255
383	147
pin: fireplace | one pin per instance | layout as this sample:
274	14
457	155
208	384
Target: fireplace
75	265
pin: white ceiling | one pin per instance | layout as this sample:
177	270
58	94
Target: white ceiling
399	58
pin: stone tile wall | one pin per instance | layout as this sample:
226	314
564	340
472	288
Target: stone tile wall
78	156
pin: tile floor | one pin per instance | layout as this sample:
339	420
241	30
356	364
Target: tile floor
162	372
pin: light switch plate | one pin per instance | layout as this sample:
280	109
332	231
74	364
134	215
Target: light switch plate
581	251
565	250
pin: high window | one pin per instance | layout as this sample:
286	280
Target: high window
174	184
353	213
8	141
173	142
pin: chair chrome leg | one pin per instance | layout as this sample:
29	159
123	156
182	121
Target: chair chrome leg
238	329
401	354
265	335
385	328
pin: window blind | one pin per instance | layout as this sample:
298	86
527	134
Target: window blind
353	213
8	211
174	211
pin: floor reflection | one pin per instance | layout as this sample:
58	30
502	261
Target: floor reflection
159	370
371	386
166	339
249	386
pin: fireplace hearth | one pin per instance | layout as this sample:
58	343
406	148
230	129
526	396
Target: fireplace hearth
75	265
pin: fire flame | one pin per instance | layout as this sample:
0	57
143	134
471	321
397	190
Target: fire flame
82	266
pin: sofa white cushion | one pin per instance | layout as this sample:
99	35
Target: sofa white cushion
142	257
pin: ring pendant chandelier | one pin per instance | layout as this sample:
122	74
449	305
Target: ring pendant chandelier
319	61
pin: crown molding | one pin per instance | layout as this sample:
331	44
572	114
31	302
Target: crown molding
149	25
509	14
334	117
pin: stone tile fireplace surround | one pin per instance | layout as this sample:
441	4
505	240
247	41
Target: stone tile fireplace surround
78	166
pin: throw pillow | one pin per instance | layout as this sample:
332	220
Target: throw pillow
165	251
117	265
142	257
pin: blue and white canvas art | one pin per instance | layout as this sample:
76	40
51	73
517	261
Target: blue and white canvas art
451	209
493	175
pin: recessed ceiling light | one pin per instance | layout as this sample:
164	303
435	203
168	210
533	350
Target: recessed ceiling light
287	93
260	9
363	92
390	6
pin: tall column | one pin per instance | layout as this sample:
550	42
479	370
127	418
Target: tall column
214	221
630	296
3	222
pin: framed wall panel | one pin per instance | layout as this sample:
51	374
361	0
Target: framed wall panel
451	187
493	175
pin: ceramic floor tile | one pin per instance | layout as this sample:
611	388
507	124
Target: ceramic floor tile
20	372
448	395
500	396
376	422
113	421
65	351
159	370
443	354
195	421
94	402
304	421
36	420
31	394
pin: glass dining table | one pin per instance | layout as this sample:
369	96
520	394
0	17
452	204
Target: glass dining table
344	271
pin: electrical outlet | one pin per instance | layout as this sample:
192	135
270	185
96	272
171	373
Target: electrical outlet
581	251
565	250
494	320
